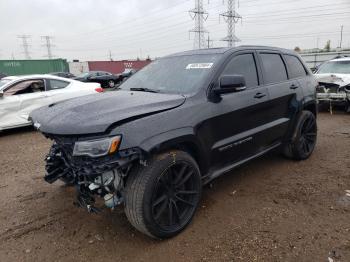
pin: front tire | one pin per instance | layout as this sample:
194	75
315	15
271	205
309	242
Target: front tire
304	137
162	196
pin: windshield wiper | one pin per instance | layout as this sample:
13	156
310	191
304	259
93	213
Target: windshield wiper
144	89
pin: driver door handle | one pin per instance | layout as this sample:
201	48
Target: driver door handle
259	95
293	86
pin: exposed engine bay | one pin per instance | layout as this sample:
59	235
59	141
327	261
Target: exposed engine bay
103	176
333	90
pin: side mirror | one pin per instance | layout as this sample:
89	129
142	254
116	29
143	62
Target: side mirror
1	94
230	84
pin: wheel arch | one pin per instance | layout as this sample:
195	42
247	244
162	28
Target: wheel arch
311	106
182	139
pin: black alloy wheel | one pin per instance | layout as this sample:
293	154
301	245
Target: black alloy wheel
162	196
304	138
175	196
308	135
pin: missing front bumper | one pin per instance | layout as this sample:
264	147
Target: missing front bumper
103	177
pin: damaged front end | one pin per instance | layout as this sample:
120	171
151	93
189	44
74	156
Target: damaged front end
90	170
333	91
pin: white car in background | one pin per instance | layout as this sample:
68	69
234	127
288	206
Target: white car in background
19	95
334	83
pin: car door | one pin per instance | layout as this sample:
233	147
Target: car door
93	77
58	90
9	107
33	99
239	125
285	93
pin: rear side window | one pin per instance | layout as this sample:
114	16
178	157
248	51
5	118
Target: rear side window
243	65
295	67
274	68
56	84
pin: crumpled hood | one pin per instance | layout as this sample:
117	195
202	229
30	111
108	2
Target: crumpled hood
95	113
338	79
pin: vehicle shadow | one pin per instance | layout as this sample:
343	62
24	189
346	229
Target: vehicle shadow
17	131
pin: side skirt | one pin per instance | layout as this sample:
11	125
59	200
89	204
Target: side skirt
218	172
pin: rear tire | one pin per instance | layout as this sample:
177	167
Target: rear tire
304	137
162	196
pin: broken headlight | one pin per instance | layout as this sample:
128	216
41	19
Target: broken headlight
97	147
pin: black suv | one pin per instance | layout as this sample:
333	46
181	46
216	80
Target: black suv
177	124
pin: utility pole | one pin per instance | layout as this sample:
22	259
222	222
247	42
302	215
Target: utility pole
110	55
231	17
199	15
48	45
25	45
341	35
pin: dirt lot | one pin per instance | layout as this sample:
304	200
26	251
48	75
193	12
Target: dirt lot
271	209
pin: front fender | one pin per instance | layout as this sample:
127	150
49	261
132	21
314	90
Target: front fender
175	136
182	138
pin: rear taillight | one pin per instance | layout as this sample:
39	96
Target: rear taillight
99	89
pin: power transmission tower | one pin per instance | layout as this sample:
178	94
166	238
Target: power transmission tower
199	15
231	17
25	45
48	45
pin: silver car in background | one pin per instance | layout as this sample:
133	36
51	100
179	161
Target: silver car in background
19	95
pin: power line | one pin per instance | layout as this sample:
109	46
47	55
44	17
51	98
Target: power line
25	45
231	17
137	35
199	15
48	45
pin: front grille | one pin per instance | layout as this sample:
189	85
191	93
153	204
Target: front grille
327	88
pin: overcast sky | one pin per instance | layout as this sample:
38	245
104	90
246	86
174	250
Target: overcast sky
88	29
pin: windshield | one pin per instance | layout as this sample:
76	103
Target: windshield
4	82
181	74
336	67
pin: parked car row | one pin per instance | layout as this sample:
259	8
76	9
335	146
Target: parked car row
105	79
19	95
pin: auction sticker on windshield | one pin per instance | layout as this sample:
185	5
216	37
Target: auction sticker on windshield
199	66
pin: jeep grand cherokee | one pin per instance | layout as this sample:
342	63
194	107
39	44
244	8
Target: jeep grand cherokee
177	124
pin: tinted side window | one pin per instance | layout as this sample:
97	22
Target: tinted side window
295	67
243	65
274	68
56	84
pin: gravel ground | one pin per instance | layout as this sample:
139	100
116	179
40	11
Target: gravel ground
270	209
